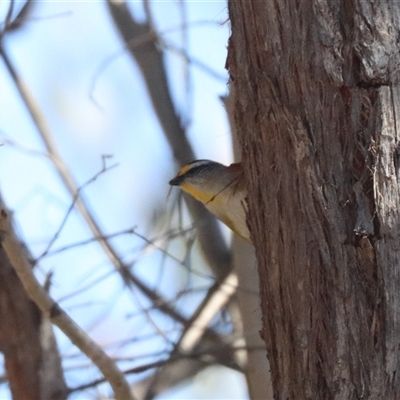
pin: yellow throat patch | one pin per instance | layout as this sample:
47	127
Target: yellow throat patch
202	196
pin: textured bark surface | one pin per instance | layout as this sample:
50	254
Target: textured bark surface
316	97
19	334
31	358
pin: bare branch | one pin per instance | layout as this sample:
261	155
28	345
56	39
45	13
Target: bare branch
7	20
194	61
80	203
210	238
71	207
20	19
204	356
215	300
27	347
217	297
57	315
150	60
128	231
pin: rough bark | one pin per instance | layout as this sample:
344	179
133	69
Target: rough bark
32	362
19	334
316	98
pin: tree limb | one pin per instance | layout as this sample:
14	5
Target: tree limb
150	59
56	314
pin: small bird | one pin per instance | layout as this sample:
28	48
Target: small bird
220	188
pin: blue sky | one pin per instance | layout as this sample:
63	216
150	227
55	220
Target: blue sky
91	95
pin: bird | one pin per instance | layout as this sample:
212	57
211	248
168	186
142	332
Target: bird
222	189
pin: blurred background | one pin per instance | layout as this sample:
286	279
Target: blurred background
78	122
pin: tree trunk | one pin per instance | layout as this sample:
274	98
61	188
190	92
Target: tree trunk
316	93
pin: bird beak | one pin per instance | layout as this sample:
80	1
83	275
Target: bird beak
176	181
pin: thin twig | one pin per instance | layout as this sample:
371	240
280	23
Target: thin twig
91	240
71	207
142	39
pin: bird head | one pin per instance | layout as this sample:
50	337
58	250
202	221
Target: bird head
220	188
